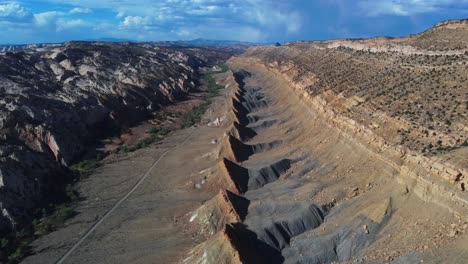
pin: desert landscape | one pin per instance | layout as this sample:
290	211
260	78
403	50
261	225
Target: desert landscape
336	151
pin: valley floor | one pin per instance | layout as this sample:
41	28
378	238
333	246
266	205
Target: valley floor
147	226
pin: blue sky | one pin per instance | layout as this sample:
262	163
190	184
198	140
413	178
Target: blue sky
34	21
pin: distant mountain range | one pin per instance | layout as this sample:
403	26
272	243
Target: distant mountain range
211	42
195	42
184	43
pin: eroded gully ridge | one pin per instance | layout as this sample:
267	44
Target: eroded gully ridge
243	223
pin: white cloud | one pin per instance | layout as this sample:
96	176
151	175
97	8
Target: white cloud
274	17
120	14
249	20
136	21
406	7
57	21
185	34
14	12
142	22
80	10
204	10
47	18
263	18
64	24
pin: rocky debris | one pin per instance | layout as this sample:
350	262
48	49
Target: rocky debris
54	102
216	122
453	233
366	229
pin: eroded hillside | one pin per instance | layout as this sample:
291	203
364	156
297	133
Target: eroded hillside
413	102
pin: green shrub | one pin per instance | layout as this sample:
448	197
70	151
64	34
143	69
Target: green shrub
159	131
20	252
124	149
195	115
224	67
85	167
72	195
49	223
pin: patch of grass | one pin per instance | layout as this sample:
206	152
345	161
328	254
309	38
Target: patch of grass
159	131
19	253
145	142
85	167
72	195
156	134
195	115
124	149
213	89
49	223
16	247
224	67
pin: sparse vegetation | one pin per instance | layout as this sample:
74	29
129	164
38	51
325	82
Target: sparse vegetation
213	89
16	247
193	117
85	167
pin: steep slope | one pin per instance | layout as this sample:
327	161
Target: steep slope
414	104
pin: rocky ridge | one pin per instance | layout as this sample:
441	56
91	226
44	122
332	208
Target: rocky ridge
362	93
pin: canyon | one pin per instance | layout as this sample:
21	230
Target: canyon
339	151
59	100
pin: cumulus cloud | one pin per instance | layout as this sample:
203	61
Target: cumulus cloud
136	21
143	22
407	7
260	18
49	21
291	21
64	24
47	18
13	12
80	10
